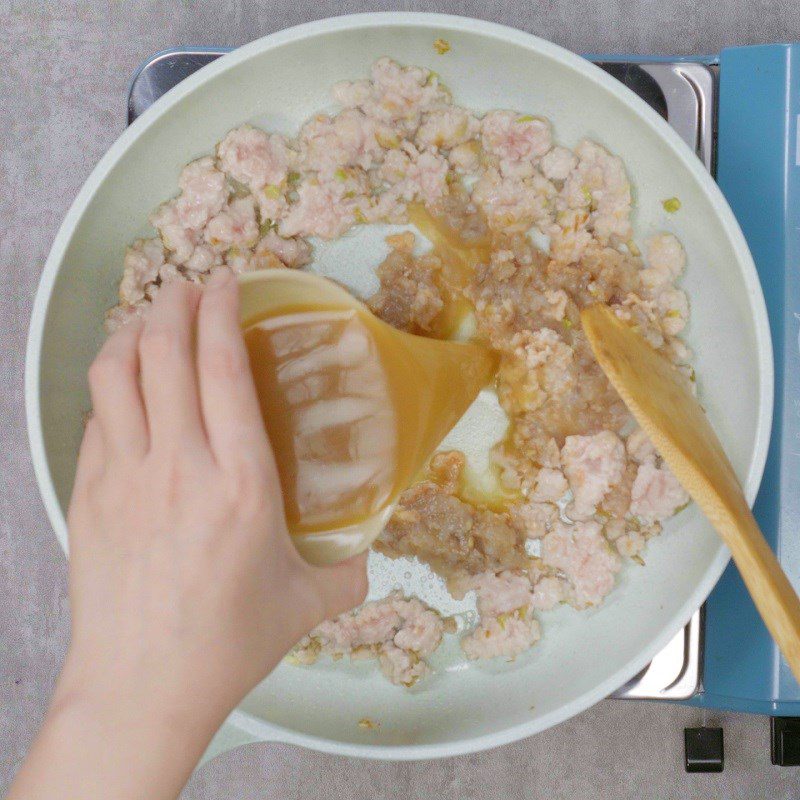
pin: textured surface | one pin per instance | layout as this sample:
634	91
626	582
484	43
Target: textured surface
66	67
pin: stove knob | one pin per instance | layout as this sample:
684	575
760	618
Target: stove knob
784	734
704	749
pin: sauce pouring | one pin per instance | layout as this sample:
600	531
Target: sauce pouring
353	407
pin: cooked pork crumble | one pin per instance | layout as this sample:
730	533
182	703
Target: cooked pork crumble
582	487
400	632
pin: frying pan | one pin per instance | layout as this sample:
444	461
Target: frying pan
277	82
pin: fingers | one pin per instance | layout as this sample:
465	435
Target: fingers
116	397
343	586
169	379
229	403
91	456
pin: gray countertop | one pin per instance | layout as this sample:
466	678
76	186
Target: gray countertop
65	70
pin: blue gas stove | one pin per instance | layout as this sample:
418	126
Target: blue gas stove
740	112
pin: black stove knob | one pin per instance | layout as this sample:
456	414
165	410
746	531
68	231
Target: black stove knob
704	749
784	734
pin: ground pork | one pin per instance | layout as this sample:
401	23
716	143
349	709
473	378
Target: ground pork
656	493
599	185
292	252
534	519
514	203
322	209
451	535
447	128
558	163
254	158
180	222
395	95
515	141
409	298
583	555
507	626
400	632
349	139
592	464
143	259
234	226
639	447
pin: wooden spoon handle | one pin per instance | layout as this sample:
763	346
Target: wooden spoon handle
773	595
662	402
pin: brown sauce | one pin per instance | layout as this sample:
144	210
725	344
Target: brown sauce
354	408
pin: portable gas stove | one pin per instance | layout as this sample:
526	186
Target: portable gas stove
740	112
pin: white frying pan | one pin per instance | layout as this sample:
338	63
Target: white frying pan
277	82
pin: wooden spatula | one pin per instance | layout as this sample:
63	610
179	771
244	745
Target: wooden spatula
660	399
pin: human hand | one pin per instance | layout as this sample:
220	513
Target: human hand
185	587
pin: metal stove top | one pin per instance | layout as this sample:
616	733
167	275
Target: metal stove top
685	94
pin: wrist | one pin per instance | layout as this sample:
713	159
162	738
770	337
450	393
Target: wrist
121	697
107	742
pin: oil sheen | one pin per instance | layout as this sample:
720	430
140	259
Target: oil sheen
354	408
